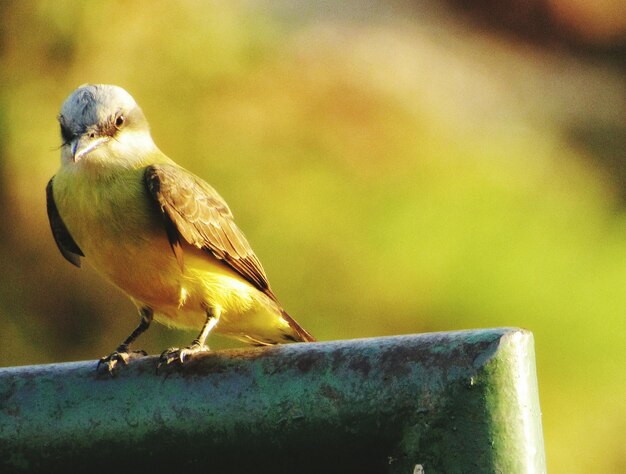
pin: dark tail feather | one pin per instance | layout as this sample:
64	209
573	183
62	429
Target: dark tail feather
300	331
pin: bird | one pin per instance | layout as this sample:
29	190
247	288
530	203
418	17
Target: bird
156	231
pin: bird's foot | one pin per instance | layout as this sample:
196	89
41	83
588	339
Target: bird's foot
180	356
109	363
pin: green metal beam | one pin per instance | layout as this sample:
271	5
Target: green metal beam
452	402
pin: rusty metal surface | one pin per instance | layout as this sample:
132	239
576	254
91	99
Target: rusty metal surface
442	402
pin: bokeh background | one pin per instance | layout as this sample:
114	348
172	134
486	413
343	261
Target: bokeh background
399	167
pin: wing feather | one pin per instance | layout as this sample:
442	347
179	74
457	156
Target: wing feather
66	244
203	219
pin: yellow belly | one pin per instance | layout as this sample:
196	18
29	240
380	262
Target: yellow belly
122	237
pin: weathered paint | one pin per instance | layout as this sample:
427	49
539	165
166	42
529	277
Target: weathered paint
452	402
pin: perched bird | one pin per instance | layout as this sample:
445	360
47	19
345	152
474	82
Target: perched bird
156	231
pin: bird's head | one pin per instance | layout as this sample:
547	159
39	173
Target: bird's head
104	124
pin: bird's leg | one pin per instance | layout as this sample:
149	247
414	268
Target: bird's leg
122	354
180	355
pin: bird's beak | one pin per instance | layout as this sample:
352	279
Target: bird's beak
86	144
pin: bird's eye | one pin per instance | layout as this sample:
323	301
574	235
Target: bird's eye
119	121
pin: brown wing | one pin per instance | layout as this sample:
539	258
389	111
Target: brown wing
68	247
195	211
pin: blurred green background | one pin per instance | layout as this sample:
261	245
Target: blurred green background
398	167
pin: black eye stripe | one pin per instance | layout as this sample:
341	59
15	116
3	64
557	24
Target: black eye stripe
108	127
66	134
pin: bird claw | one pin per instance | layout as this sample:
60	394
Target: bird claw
113	360
180	356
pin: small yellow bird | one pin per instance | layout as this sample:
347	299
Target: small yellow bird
156	231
